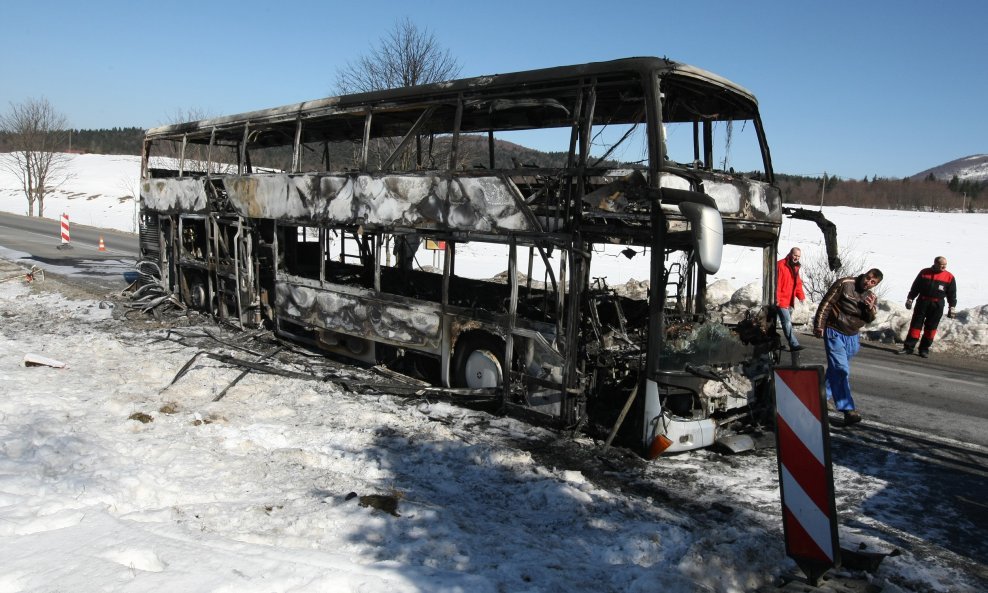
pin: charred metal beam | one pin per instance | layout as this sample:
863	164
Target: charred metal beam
185	368
412	133
620	418
365	147
264	368
243	373
828	229
457	123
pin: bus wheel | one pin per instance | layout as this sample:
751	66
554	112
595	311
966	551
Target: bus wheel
197	296
478	361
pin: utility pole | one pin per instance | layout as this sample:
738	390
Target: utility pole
823	190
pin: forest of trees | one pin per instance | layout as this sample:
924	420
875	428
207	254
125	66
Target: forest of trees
928	194
103	141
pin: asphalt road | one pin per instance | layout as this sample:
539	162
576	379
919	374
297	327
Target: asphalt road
945	395
923	434
37	241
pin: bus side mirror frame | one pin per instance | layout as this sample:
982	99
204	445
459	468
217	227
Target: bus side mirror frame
707	229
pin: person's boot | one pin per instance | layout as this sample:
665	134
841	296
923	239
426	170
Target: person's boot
908	346
851	417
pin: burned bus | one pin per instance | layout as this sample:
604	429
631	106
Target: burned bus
316	219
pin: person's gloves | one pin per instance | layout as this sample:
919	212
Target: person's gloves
909	303
950	313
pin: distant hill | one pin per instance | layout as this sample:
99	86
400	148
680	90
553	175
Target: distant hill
970	168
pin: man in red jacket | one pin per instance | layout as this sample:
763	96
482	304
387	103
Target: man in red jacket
788	288
932	287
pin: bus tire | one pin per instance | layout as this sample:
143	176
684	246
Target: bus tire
478	361
197	296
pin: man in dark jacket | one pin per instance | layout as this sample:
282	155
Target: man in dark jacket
848	305
932	287
788	288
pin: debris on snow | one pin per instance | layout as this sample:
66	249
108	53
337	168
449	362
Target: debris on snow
37	360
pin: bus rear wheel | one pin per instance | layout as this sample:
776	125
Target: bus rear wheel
478	361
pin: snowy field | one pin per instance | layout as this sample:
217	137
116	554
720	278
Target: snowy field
114	479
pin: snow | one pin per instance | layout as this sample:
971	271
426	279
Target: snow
113	478
95	189
252	492
977	170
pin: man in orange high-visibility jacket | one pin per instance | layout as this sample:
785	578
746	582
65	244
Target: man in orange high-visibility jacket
931	288
788	288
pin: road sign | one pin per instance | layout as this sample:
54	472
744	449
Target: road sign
806	478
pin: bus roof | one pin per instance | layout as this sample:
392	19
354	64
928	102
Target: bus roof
451	89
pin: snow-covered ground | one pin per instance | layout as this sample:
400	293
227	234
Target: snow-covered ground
114	479
94	189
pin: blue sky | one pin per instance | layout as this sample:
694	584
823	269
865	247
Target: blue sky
856	89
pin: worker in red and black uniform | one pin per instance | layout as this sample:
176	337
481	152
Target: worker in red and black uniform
931	288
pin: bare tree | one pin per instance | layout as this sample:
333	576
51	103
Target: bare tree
406	56
818	277
36	131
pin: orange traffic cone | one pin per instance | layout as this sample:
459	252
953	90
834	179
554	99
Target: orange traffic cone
102	246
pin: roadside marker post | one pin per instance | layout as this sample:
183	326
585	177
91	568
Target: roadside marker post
806	477
66	239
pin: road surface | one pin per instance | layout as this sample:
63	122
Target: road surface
946	394
37	241
924	435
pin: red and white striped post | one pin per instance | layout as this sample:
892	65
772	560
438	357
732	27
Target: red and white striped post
66	240
806	477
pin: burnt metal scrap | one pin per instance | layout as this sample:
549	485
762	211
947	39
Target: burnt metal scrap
149	295
828	228
426	201
155	300
311	219
284	359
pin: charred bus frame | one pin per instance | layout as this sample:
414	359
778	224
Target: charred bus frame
309	218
